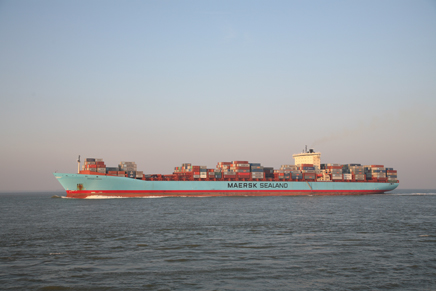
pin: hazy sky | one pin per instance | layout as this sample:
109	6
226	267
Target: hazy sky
163	83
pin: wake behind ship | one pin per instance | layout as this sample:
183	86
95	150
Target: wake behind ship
237	178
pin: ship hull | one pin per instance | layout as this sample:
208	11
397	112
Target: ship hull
95	186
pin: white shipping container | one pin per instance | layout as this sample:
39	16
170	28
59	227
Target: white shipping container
241	165
257	174
229	173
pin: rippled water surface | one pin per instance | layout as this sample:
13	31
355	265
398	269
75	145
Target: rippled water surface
373	242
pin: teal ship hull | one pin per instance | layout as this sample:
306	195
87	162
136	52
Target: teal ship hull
102	186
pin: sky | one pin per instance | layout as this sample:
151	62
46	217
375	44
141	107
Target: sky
163	83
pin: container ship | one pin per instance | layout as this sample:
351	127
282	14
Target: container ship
237	178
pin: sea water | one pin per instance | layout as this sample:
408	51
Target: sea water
369	242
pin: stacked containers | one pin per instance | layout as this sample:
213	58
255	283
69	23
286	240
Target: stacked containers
296	175
391	175
223	170
218	173
89	165
368	173
308	171
358	171
196	170
139	175
288	170
241	168
211	173
129	168
94	165
203	172
293	171
257	171
101	167
378	172
335	170
268	172
185	171
246	170
98	166
279	174
112	171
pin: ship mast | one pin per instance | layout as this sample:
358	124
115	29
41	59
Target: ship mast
78	165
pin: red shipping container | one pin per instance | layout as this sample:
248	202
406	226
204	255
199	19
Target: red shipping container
196	173
377	166
241	168
92	166
91	173
306	165
244	174
240	162
392	171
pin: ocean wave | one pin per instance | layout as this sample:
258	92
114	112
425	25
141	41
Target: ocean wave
412	194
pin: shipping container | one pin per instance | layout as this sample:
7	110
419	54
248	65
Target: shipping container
347	176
